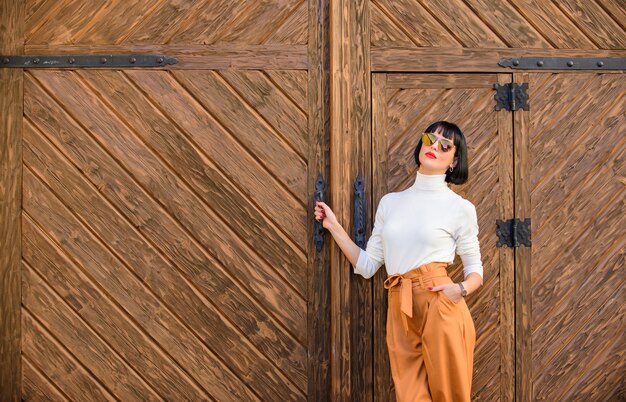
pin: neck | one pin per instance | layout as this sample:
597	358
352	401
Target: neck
430	182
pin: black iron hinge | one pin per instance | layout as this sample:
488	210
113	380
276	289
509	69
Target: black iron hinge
87	61
513	232
511	96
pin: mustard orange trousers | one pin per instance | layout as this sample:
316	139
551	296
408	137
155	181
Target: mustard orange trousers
430	338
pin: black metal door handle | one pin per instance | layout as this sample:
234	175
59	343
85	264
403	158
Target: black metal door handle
319	228
360	217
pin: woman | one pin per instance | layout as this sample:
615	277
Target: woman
430	331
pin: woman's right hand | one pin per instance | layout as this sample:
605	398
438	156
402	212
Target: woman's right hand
324	213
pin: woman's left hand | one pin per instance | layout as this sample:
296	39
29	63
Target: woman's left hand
452	290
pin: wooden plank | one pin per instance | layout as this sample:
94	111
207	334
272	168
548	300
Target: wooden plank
558	30
463	59
604	304
63	22
505	21
196	350
154	221
411	17
295	29
198	57
591	19
384	32
293	84
522	171
36	386
259	21
350	139
11	103
315	88
288	121
54	359
439	81
463	23
205	25
59	316
383	383
115	21
235	115
227	173
150	340
151	171
616	9
505	257
162	24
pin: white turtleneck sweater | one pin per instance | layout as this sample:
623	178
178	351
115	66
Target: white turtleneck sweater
427	222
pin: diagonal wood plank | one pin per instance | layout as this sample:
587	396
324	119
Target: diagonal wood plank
591	19
235	115
207	24
466	27
204	319
154	222
293	84
411	17
553	25
63	22
146	167
284	232
259	21
288	121
504	20
62	368
37	386
384	32
295	28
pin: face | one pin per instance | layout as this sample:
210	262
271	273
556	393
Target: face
434	161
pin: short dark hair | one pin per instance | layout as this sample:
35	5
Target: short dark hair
460	172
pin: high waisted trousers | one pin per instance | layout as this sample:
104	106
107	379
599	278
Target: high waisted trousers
430	338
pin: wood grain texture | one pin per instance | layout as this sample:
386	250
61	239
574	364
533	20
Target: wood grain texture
180	279
69	22
315	91
406	59
403	104
199	57
11	103
485	24
577	194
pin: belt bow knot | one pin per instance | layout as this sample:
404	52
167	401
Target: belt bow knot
406	295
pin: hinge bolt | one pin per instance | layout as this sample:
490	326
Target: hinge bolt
570	63
103	60
5	60
160	60
132	60
515	62
600	63
540	63
36	61
72	60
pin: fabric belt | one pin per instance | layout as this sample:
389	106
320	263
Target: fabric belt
405	281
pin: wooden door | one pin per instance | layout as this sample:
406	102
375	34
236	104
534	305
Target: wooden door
165	234
402	106
576	188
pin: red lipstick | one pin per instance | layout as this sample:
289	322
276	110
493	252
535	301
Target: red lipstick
431	155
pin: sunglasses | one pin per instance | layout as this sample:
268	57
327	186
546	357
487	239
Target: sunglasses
443	144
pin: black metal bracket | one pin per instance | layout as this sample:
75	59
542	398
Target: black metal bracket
87	61
319	227
564	63
360	217
513	232
511	96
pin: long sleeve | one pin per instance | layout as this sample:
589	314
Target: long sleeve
467	243
372	257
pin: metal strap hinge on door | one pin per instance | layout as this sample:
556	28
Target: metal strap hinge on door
87	61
